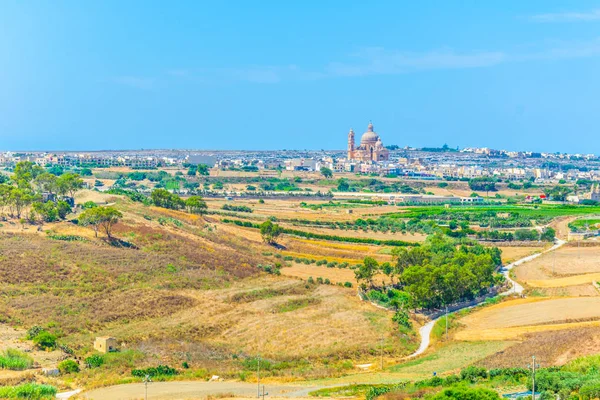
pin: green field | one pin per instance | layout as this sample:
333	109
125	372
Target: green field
582	224
532	211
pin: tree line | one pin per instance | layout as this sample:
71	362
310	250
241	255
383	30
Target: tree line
34	194
440	272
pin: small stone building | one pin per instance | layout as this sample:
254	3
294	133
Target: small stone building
105	344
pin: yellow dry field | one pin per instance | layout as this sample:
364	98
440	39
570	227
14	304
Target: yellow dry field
464	191
335	275
335	320
97	197
331	251
514	318
513	253
417	237
567	266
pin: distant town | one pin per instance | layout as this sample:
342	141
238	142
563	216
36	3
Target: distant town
370	157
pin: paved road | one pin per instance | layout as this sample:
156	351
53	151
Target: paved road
516	288
188	390
198	390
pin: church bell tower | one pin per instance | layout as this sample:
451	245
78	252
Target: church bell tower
350	144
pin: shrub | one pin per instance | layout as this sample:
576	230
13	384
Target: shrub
466	393
473	373
161	370
34	331
348	284
94	361
68	367
45	340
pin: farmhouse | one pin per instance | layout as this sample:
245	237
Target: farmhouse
105	344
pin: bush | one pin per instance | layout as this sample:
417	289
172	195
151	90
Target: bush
466	393
473	373
348	284
94	361
68	367
161	370
45	340
34	331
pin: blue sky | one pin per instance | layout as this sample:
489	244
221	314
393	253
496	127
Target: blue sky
298	74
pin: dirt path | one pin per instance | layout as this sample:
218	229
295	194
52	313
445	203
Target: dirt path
185	390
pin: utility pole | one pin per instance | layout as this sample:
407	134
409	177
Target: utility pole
533	367
263	393
258	376
147	381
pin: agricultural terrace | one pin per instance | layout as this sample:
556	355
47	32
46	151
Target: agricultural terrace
192	284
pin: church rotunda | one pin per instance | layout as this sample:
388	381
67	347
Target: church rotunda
370	148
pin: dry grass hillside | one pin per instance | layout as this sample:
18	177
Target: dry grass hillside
176	287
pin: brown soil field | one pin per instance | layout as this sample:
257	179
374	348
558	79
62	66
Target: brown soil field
513	318
550	348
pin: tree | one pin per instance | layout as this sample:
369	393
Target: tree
192	170
69	183
100	217
548	235
326	172
91	217
63	208
343	185
269	231
558	193
196	205
484	183
46	211
202	169
47	182
164	198
25	172
19	199
367	270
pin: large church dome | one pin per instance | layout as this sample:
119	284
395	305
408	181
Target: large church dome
369	136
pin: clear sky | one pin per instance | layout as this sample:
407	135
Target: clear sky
298	74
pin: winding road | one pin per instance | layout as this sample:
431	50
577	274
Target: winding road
516	288
194	389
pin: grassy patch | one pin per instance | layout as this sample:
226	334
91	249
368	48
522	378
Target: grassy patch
267	293
448	358
15	360
31	391
296	304
343	391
